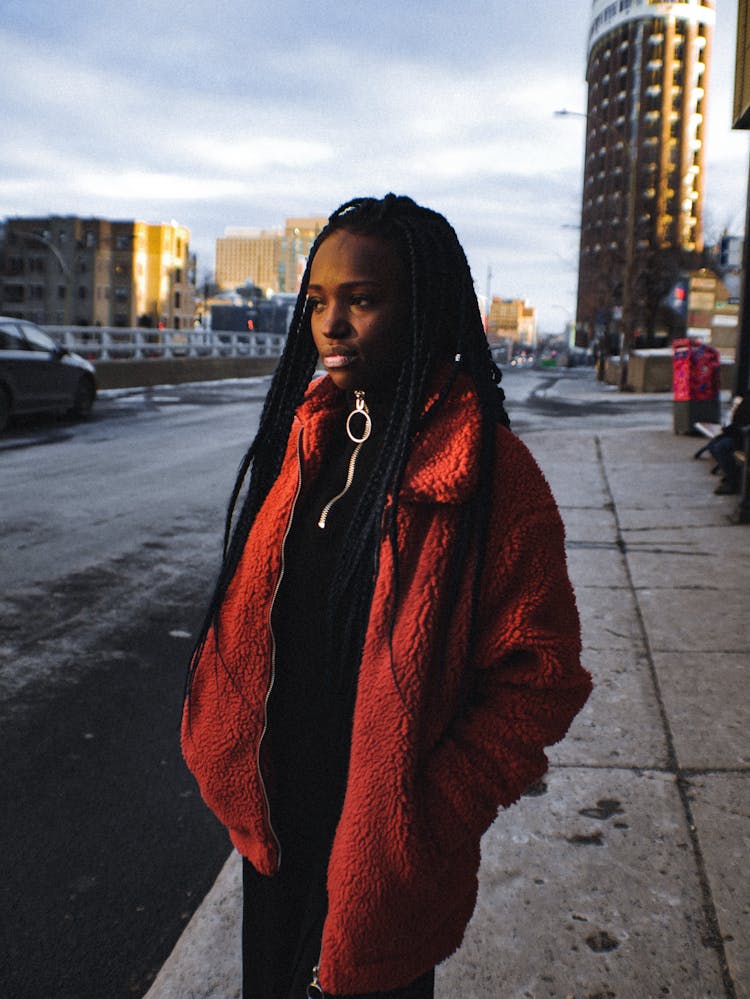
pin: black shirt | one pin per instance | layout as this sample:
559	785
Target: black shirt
309	728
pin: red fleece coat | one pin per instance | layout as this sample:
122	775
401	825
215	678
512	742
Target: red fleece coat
425	779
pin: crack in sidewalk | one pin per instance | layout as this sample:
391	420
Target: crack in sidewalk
715	937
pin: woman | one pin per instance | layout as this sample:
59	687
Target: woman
393	638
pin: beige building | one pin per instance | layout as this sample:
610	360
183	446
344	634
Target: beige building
712	311
248	255
69	271
164	275
299	236
272	259
512	319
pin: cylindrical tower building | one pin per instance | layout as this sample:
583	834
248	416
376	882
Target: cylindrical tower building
641	215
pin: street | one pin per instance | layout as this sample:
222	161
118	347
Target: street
111	535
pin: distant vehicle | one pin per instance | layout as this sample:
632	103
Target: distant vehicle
522	359
37	374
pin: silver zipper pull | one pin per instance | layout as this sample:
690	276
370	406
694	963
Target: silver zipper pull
314	990
360	406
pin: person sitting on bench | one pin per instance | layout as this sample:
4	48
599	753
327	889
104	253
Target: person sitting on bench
723	446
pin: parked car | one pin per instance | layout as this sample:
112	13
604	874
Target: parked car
37	374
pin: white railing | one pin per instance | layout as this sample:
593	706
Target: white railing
110	343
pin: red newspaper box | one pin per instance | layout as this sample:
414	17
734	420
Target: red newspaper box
696	384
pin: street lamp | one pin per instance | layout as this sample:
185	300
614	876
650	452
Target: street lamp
67	274
631	151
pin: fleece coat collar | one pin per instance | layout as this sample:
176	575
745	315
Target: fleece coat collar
440	469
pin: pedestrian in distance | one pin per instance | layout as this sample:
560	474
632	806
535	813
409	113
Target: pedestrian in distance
723	446
393	638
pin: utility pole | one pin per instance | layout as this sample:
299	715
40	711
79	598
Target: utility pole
488	301
741	120
631	151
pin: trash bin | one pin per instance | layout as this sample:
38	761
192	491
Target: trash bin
696	384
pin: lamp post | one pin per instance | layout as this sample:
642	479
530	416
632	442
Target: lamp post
67	274
569	323
631	151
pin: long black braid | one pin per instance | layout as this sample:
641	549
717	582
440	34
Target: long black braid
446	326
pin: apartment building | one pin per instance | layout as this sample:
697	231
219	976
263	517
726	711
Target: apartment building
512	319
248	256
641	215
65	270
273	259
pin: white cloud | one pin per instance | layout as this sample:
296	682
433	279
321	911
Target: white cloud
243	114
133	186
261	152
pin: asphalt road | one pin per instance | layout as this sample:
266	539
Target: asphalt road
109	539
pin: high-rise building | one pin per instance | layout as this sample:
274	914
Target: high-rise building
299	236
64	270
248	256
272	259
512	319
641	216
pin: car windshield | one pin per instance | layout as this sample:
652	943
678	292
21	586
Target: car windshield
37	339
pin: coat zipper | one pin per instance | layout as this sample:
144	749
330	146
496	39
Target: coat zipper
273	650
315	984
360	406
314	988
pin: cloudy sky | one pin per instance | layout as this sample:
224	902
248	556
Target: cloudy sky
241	114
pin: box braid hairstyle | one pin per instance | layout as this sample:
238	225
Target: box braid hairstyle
446	334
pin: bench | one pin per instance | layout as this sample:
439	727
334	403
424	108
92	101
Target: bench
709	430
742	513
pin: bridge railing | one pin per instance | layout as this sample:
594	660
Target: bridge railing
111	343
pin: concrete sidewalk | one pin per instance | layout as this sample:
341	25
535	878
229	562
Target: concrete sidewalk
626	874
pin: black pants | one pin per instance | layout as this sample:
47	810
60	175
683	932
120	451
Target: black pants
281	930
423	988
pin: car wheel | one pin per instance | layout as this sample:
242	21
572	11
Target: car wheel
4	408
84	397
